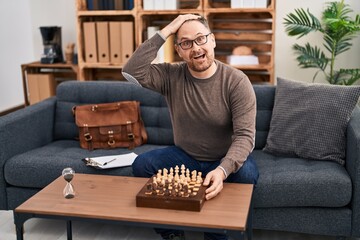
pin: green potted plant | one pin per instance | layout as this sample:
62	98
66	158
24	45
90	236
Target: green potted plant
338	30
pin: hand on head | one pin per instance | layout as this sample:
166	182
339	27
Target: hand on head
172	27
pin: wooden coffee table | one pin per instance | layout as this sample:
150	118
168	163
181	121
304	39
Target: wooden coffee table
108	199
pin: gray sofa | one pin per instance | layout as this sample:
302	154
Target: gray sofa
292	194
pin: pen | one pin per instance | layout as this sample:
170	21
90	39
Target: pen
108	161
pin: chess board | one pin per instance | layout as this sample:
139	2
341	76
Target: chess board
178	192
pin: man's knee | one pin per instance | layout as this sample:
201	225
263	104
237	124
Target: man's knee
139	166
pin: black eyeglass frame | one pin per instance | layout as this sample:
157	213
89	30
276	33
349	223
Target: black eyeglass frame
194	40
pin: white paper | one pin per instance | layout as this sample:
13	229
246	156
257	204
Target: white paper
114	161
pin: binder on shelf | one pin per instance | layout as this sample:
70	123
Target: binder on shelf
115	42
90	42
262	3
127	40
119	4
102	32
111	5
171	4
128	4
96	4
249	3
89	4
159	4
102	4
148	4
242	3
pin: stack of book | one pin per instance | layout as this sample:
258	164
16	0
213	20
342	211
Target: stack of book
160	4
109	4
249	3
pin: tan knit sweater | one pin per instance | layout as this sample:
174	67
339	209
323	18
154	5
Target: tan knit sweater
212	118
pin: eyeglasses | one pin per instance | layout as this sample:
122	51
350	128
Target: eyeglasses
200	40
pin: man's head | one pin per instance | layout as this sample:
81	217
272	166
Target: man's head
195	44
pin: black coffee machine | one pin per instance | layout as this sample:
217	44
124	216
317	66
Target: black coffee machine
52	45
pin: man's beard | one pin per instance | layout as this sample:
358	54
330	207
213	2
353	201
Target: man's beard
204	66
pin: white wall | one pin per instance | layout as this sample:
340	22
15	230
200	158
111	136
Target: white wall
21	42
285	60
52	13
16	44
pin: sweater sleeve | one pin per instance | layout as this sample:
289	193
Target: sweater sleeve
139	69
243	109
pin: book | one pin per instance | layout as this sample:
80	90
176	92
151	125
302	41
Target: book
249	3
119	4
148	4
111	5
128	4
171	4
111	161
89	5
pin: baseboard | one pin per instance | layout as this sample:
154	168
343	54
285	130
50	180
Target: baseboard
12	109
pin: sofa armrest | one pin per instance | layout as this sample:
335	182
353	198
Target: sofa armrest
353	166
24	130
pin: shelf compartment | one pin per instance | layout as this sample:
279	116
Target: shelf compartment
258	76
227	4
183	5
85	13
99	73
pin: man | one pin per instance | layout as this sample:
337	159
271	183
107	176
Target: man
212	108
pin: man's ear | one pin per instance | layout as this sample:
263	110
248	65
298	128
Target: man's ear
213	39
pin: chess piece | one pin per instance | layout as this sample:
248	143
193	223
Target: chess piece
187	174
165	173
186	190
68	174
148	189
182	169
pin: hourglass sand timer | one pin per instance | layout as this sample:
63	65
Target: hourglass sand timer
68	174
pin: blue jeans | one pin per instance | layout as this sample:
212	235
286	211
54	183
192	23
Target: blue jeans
147	164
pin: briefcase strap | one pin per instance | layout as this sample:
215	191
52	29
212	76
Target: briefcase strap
87	136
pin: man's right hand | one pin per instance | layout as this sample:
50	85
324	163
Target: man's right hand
172	27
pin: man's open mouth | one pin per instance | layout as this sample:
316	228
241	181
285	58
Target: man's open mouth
200	56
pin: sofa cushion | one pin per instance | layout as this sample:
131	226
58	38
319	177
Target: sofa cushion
297	182
154	111
264	105
39	167
310	120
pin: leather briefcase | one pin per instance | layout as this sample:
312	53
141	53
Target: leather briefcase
110	125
